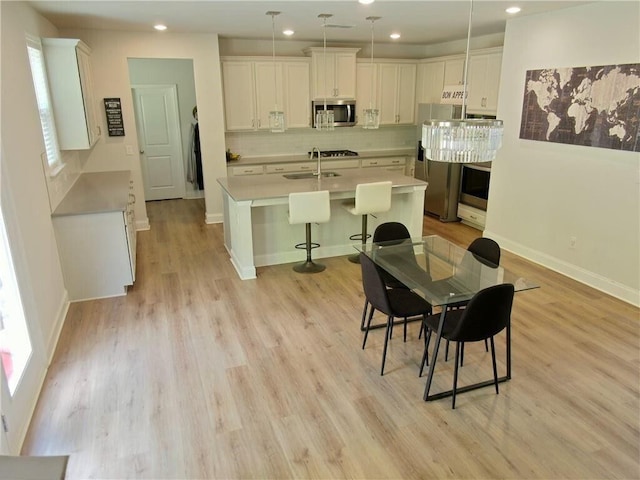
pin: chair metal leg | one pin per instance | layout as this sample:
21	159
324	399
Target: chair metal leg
364	313
486	345
386	341
366	330
425	355
455	376
495	369
462	354
446	352
405	329
362	237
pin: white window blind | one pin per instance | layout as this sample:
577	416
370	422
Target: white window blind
38	71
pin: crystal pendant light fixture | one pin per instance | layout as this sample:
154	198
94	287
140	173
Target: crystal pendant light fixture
371	115
325	117
276	116
465	140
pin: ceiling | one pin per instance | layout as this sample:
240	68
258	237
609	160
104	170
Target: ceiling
418	21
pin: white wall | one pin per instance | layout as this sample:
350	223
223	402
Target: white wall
544	193
25	199
110	51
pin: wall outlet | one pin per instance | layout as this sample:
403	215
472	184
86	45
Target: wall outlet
572	242
129	149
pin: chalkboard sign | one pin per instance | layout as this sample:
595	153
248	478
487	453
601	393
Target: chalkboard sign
113	109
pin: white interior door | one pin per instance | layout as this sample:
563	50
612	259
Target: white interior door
159	139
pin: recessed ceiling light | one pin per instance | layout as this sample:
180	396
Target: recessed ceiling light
365	2
288	33
512	10
160	27
395	36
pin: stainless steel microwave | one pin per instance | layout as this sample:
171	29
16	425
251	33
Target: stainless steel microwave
344	112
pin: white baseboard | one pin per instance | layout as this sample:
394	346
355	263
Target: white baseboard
211	218
599	282
143	224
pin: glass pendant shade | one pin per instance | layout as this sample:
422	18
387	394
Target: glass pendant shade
325	120
462	141
276	121
465	140
371	118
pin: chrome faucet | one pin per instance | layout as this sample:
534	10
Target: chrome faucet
318	173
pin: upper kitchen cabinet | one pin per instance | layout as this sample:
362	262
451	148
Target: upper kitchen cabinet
333	74
454	71
251	91
484	82
429	82
397	90
69	74
366	83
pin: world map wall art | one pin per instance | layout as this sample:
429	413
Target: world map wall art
590	106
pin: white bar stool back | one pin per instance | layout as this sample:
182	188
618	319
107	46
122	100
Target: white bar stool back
308	208
370	198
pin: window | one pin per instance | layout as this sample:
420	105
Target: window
53	163
15	345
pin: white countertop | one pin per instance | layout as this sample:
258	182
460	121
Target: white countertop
259	187
97	192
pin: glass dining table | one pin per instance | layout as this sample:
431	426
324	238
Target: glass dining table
445	275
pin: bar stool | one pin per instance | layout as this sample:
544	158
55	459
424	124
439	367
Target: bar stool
307	208
370	198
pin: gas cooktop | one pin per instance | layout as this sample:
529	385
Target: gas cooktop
337	153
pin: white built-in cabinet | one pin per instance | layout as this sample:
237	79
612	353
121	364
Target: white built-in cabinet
397	90
483	79
392	92
95	234
251	91
333	73
71	88
429	82
484	82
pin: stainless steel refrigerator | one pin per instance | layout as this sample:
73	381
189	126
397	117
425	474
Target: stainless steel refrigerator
441	196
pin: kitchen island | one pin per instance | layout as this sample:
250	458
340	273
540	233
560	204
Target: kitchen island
256	227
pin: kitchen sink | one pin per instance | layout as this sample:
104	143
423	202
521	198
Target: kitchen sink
299	176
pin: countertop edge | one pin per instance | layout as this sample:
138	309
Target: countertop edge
291	158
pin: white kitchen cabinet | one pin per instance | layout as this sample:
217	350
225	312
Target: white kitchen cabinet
396	87
429	82
239	95
484	82
366	84
454	71
71	87
246	170
472	216
297	103
333	75
96	238
290	167
251	91
392	163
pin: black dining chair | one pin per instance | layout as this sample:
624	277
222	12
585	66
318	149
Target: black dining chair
487	252
487	314
387	232
395	302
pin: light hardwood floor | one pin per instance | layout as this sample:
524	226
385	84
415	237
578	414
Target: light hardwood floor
197	374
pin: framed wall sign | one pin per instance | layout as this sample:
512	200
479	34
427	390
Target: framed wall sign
113	110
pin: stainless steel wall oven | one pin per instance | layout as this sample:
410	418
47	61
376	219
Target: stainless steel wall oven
474	185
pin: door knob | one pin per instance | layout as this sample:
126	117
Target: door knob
141	151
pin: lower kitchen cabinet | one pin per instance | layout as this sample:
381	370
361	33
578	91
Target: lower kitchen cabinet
95	233
472	216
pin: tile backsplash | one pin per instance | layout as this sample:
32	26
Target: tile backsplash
300	141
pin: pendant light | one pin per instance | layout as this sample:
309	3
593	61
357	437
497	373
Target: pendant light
371	115
276	116
324	118
465	140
